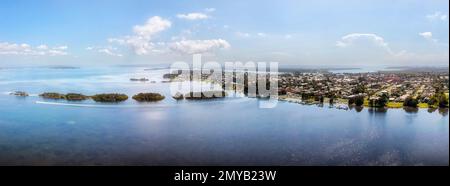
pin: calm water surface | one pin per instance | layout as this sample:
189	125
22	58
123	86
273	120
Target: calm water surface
232	131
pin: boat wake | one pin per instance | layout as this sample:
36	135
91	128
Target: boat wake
6	93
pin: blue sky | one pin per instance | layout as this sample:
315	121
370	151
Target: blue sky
324	33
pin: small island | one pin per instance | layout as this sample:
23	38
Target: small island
68	97
110	98
205	95
170	76
52	95
140	79
75	97
178	96
148	97
19	94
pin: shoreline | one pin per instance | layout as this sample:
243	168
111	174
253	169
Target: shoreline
340	104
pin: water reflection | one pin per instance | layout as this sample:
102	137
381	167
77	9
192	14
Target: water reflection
431	110
357	108
376	110
411	110
443	111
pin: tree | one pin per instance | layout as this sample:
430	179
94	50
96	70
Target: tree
438	100
351	101
384	98
379	102
443	101
359	89
321	99
433	101
410	102
359	101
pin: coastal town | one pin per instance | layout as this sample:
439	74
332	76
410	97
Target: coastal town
411	87
377	89
383	89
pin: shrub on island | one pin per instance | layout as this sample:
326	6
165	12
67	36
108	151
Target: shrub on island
75	97
148	97
178	96
52	95
170	76
205	95
109	97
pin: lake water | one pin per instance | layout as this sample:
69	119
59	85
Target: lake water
231	131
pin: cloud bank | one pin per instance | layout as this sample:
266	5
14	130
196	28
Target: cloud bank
28	50
199	46
193	16
141	42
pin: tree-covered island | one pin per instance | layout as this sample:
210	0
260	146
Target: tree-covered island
148	97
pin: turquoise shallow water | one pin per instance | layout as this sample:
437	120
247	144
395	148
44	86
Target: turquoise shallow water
233	131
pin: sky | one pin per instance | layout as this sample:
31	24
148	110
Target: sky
292	32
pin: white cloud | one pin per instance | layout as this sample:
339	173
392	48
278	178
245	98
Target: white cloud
42	47
261	34
60	48
199	46
153	26
287	36
351	39
109	50
437	16
27	50
141	41
428	36
57	53
210	9
358	40
243	34
193	16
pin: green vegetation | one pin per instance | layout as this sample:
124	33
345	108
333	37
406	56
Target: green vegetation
394	105
205	95
68	97
359	89
439	100
321	99
178	96
379	102
75	97
148	97
358	101
52	95
170	76
410	102
110	97
422	105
